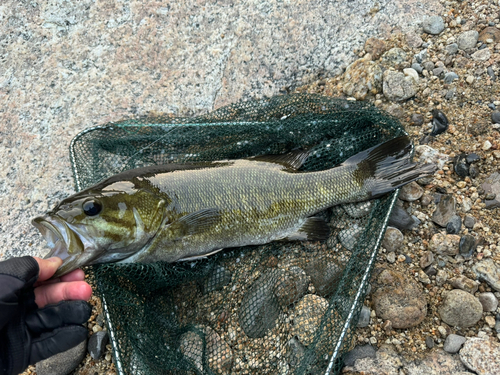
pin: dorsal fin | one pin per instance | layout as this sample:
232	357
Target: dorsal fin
291	160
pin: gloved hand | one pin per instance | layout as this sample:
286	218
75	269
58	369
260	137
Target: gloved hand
30	330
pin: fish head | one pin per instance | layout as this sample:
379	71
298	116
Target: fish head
101	225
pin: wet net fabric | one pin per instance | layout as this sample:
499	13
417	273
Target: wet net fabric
280	308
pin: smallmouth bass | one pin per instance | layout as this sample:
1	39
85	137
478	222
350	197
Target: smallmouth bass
185	212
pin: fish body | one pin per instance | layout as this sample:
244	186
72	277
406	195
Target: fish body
172	213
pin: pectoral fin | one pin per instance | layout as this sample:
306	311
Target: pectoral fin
313	229
202	256
195	222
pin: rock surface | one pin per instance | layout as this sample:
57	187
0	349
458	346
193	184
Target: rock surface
460	309
62	363
481	356
488	271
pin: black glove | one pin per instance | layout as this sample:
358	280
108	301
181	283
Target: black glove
29	334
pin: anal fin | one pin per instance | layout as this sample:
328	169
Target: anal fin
313	229
202	256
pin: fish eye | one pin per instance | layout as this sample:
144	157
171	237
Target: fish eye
91	207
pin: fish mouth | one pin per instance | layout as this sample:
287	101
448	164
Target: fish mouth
64	243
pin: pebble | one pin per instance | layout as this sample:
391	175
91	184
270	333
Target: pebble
410	72
216	280
417	119
467	40
359	352
491	73
393	239
440	122
429	66
452	48
97	344
421	56
450	77
417	67
395	58
433	25
426	259
413	39
495	117
445	210
481	55
411	192
488	271
291	286
469	80
489	33
450	93
464	283
259	308
453	343
357	210
401	219
361	78
204	343
62	363
467	245
296	352
429	155
308	314
348	237
398	87
454	225
489	301
445	244
364	317
391	257
399	300
486	145
429	342
469	221
472	158
324	275
375	47
481	356
460	165
460	308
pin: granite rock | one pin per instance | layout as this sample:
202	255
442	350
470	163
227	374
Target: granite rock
393	239
398	87
361	78
460	309
481	356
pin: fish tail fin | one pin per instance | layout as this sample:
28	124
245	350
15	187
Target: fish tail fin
386	167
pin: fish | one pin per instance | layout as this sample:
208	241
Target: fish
182	212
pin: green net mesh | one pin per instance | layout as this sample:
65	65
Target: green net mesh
280	308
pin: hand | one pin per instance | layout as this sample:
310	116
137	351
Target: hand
39	317
66	288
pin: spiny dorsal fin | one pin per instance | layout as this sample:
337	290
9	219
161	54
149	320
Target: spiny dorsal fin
292	160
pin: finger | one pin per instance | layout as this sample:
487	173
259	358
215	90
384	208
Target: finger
57	341
64	291
76	275
47	267
58	315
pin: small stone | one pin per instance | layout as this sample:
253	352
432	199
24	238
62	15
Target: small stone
488	271
429	342
97	344
361	78
291	286
414	40
411	192
454	225
440	122
417	67
364	317
464	283
495	117
489	301
452	48
445	244
359	352
467	245
397	299
481	355
421	56
431	271
450	77
423	277
467	40
397	87
393	239
489	33
450	93
391	257
433	25
401	219
438	72
417	119
426	200
357	210
445	210
486	145
217	279
429	66
324	275
427	259
349	236
491	73
481	55
62	363
460	165
375	47
469	221
410	72
469	79
460	309
297	351
453	343
395	58
308	314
